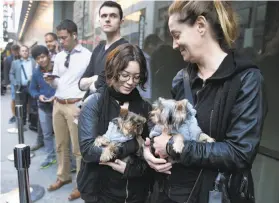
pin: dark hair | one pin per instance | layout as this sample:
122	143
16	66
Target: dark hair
54	36
119	58
152	39
112	4
220	15
68	25
38	50
15	47
25	47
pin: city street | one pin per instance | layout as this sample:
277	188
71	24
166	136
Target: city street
42	177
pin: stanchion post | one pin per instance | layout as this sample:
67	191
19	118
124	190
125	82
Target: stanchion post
19	117
22	163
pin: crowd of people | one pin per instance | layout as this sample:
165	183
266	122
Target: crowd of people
78	93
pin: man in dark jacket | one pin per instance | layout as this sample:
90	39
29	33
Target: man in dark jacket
111	18
7	67
44	93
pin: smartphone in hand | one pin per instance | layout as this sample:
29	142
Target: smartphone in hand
50	75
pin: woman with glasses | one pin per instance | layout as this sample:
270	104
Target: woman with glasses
116	181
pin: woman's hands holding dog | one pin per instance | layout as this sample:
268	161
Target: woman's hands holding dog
160	143
158	164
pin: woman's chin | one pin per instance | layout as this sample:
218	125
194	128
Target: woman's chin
125	91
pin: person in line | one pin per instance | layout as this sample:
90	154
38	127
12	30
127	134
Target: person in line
52	44
20	76
51	41
115	181
111	18
228	94
44	94
7	67
69	66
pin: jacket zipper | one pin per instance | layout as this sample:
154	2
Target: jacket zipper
197	94
127	192
210	123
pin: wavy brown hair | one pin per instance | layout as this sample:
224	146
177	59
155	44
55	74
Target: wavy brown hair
118	60
220	15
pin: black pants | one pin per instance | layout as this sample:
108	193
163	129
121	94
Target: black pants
25	99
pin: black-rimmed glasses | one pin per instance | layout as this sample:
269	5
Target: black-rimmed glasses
123	77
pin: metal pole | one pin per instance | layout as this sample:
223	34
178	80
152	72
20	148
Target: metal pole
19	117
22	163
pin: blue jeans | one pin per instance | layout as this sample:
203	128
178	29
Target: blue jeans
45	118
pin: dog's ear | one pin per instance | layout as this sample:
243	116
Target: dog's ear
156	104
143	120
180	105
123	113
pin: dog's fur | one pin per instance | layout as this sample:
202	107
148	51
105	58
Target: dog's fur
176	118
121	129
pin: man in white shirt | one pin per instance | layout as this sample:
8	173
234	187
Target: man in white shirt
69	66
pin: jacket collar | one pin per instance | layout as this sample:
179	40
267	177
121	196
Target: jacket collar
231	65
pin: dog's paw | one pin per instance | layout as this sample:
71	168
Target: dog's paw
98	141
178	143
205	138
108	153
101	141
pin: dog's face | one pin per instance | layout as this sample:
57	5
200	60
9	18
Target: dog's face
169	113
131	124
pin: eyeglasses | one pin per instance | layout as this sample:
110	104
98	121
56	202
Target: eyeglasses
66	64
123	77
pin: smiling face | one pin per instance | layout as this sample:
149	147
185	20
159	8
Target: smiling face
43	60
187	39
110	19
50	43
128	79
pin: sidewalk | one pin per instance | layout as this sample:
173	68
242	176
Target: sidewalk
42	177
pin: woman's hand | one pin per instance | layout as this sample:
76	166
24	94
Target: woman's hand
160	143
117	165
159	165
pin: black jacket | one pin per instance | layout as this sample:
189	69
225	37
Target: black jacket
95	180
231	107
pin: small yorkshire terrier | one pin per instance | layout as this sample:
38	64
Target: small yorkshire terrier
121	129
176	118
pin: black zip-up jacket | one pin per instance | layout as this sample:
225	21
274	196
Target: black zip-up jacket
231	108
95	180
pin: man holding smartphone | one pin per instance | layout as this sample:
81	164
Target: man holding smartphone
44	93
69	66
